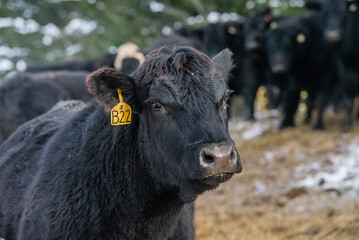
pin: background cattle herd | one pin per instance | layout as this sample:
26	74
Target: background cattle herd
315	52
312	58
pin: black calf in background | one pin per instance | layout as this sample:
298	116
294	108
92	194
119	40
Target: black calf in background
27	95
296	50
340	20
254	67
88	65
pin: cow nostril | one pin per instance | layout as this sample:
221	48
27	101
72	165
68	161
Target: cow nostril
207	158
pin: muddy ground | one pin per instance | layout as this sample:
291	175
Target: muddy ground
296	184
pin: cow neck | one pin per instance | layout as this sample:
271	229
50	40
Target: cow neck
144	196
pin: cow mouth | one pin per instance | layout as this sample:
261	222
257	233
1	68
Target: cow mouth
279	68
253	46
216	179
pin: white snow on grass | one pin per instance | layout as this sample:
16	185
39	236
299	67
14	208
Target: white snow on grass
266	114
249	130
340	171
260	187
256	130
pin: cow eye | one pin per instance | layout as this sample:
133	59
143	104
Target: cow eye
156	106
224	102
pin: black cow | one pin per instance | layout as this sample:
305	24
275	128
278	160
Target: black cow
28	95
340	20
78	177
88	65
296	49
129	58
216	36
254	26
254	65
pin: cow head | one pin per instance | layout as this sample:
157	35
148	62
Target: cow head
284	44
255	25
334	16
179	98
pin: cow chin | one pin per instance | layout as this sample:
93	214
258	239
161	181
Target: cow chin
189	192
215	180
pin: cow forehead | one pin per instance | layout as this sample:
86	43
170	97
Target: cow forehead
182	89
189	73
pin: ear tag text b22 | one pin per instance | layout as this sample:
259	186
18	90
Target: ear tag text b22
121	113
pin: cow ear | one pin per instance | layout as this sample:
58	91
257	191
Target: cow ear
313	5
223	61
103	85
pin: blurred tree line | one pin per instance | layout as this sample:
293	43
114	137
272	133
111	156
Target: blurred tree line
50	31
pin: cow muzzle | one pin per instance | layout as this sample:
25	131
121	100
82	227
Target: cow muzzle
253	45
332	36
279	68
219	161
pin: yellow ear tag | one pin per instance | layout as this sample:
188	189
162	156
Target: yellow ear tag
121	113
301	38
232	30
353	7
273	25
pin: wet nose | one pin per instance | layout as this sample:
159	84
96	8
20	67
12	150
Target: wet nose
219	158
332	35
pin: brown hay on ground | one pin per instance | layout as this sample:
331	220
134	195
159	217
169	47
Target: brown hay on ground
239	209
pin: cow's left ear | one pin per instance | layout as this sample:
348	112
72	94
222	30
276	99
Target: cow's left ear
103	85
223	61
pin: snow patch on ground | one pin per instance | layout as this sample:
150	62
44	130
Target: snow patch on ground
266	114
334	172
249	130
255	130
